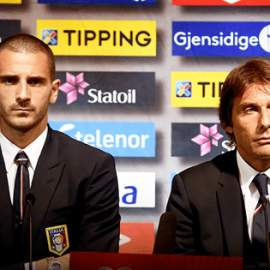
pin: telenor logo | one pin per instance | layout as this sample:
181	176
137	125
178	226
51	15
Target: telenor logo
221	38
121	139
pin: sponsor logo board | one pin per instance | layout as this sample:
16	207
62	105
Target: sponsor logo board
10	1
136	189
120	139
100	2
137	238
196	89
106	88
99	38
221	2
198	140
221	38
9	28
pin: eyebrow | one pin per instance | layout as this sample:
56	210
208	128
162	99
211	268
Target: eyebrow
8	76
40	78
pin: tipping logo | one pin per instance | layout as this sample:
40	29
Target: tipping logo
183	89
49	37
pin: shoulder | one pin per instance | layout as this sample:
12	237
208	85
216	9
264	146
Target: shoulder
211	169
69	146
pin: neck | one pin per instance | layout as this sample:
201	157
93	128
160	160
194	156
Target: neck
22	138
261	165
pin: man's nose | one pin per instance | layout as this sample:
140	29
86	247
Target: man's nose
23	92
265	119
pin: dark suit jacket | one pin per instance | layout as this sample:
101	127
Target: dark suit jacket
74	184
207	201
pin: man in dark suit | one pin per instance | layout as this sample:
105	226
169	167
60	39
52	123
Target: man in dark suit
74	185
214	202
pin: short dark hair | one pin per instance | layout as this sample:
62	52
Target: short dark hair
254	71
28	43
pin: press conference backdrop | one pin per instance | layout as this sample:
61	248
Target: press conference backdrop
141	79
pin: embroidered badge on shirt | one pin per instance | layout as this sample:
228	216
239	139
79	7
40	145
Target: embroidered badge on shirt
57	238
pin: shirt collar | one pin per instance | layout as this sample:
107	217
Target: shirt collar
33	150
247	173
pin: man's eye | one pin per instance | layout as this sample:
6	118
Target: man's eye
250	109
36	81
10	80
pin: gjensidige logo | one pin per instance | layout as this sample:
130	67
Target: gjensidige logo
264	38
221	38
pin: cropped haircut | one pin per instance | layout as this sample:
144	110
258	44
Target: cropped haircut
27	43
254	71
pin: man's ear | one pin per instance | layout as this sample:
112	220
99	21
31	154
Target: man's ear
55	90
229	130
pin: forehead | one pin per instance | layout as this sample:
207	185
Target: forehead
254	92
24	62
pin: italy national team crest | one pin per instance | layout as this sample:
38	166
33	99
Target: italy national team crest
57	238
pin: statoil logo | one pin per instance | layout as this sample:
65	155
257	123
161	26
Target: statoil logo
106	89
221	38
199	140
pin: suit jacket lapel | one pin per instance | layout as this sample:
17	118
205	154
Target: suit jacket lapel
46	177
6	209
232	208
